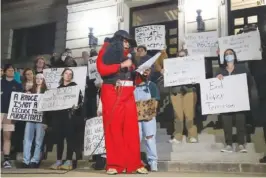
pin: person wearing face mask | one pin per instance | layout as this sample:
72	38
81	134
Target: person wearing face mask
184	103
65	60
116	67
230	67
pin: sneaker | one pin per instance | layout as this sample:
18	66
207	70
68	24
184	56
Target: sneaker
227	149
242	149
111	171
192	140
67	165
56	165
25	166
263	160
34	165
6	165
142	170
173	141
153	165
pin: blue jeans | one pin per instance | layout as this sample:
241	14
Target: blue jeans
30	129
146	129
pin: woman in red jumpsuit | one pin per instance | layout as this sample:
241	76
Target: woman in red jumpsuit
119	107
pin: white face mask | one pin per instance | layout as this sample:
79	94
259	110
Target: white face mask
63	58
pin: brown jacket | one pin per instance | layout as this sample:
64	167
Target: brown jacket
159	61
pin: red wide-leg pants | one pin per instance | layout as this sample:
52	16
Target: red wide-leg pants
121	128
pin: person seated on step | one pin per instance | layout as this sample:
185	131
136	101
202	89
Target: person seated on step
184	99
147	96
230	67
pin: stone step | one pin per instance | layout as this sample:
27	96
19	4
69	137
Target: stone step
202	138
254	169
212	157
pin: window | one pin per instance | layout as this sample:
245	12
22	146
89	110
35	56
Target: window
155	15
32	41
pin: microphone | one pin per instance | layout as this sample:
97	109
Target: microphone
129	56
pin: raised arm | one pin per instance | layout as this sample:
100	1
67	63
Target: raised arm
104	69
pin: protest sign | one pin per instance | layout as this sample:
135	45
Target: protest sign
53	75
148	64
184	70
92	68
94	142
152	36
205	43
247	46
223	96
59	98
23	107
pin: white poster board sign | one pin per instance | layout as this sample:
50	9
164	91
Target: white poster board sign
205	43
59	98
93	137
223	96
53	75
23	107
148	64
247	46
184	70
92	68
152	36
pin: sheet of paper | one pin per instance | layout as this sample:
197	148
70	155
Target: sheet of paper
148	64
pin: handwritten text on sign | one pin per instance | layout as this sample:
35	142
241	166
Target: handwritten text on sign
153	36
184	70
247	46
92	69
93	137
23	107
53	75
205	43
223	96
58	99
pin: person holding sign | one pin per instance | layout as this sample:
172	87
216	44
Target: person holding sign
34	128
66	125
148	91
8	85
120	121
231	68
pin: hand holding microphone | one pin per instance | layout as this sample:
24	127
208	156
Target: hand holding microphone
127	63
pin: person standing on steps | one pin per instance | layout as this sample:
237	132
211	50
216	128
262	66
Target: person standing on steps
8	85
184	101
120	120
232	68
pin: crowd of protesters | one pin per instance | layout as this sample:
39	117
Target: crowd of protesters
57	128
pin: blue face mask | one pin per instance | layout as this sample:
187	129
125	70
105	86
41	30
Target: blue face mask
230	58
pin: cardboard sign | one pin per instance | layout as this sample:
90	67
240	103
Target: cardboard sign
94	142
152	36
184	70
225	96
53	75
205	43
58	99
23	107
146	109
247	46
